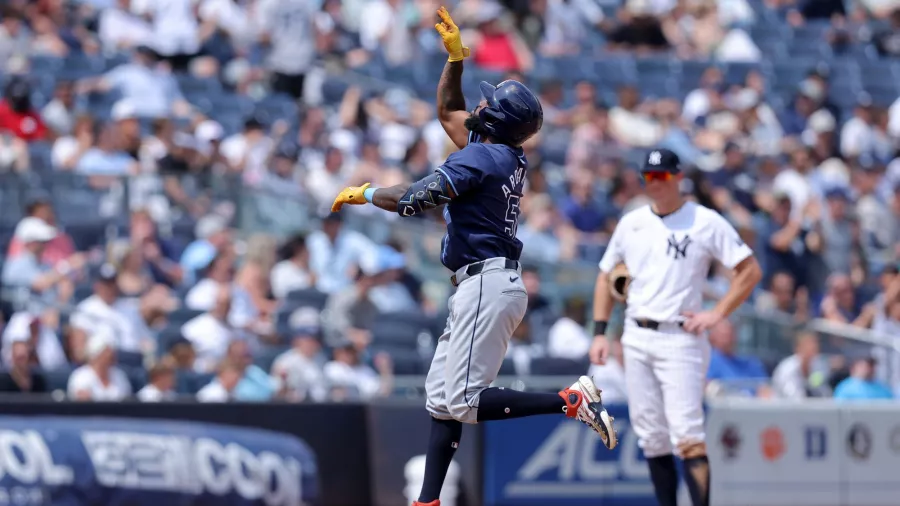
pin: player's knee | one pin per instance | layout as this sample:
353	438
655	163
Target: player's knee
462	412
691	448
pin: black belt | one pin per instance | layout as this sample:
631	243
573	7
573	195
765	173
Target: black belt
477	267
652	324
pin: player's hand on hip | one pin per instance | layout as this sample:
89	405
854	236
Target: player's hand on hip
354	195
599	351
698	323
449	32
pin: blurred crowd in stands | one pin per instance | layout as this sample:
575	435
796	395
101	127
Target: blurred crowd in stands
136	133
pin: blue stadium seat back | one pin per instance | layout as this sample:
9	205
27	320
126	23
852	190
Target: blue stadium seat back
614	70
882	96
82	291
39	154
169	336
191	84
406	362
655	67
333	90
403	329
508	367
559	367
130	358
692	70
843	95
113	61
56	379
809	49
278	106
231	123
181	316
11	204
230	103
87	235
79	66
137	376
45	64
265	356
555	145
196	381
307	297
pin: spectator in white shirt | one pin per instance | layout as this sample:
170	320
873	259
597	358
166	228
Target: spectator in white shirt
288	27
351	379
247	152
154	91
333	252
221	389
176	33
102	310
26	326
328	177
203	296
161	384
120	29
210	333
292	272
300	368
568	337
59	114
858	133
27	274
99	379
802	374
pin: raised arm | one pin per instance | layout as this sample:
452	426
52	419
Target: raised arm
451	103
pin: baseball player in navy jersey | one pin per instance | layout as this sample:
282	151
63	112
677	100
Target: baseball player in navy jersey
480	186
657	263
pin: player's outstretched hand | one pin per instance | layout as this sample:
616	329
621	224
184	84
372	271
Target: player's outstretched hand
599	350
354	195
698	323
449	32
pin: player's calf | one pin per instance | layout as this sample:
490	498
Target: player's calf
584	404
696	466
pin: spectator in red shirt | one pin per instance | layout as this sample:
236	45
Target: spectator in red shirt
497	47
17	115
58	249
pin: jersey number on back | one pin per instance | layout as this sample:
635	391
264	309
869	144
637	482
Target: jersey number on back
512	214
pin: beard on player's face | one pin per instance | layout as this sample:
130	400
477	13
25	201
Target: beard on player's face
473	124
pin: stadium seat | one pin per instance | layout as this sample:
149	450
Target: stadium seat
406	362
307	297
130	359
266	355
559	367
402	329
57	379
181	316
508	368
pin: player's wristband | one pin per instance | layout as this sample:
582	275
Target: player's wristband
369	193
599	328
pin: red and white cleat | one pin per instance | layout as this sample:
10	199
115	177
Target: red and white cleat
583	403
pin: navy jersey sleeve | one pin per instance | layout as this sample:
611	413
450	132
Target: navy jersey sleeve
465	169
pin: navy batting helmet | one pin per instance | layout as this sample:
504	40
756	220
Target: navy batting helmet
513	112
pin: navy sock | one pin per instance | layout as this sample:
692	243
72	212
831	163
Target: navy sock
503	404
442	445
696	476
665	479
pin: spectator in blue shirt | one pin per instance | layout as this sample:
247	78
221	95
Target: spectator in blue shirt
727	366
861	384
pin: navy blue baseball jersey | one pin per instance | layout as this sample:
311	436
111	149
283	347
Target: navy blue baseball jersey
488	180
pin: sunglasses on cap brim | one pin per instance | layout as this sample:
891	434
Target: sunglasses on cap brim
660	175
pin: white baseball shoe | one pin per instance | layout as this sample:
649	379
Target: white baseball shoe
583	404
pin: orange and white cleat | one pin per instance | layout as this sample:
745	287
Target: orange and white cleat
436	502
583	404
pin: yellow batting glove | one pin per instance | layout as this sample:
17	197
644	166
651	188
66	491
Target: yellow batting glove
353	195
450	33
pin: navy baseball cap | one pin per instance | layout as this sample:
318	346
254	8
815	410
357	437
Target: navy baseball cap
661	160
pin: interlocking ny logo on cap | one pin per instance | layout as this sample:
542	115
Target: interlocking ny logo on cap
655	158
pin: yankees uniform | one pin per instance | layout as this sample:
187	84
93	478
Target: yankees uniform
481	186
668	258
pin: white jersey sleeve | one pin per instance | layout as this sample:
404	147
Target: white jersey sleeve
727	246
614	253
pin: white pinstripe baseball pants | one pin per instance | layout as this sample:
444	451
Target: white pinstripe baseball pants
665	375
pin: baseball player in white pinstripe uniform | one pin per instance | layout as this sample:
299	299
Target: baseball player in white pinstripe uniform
657	262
